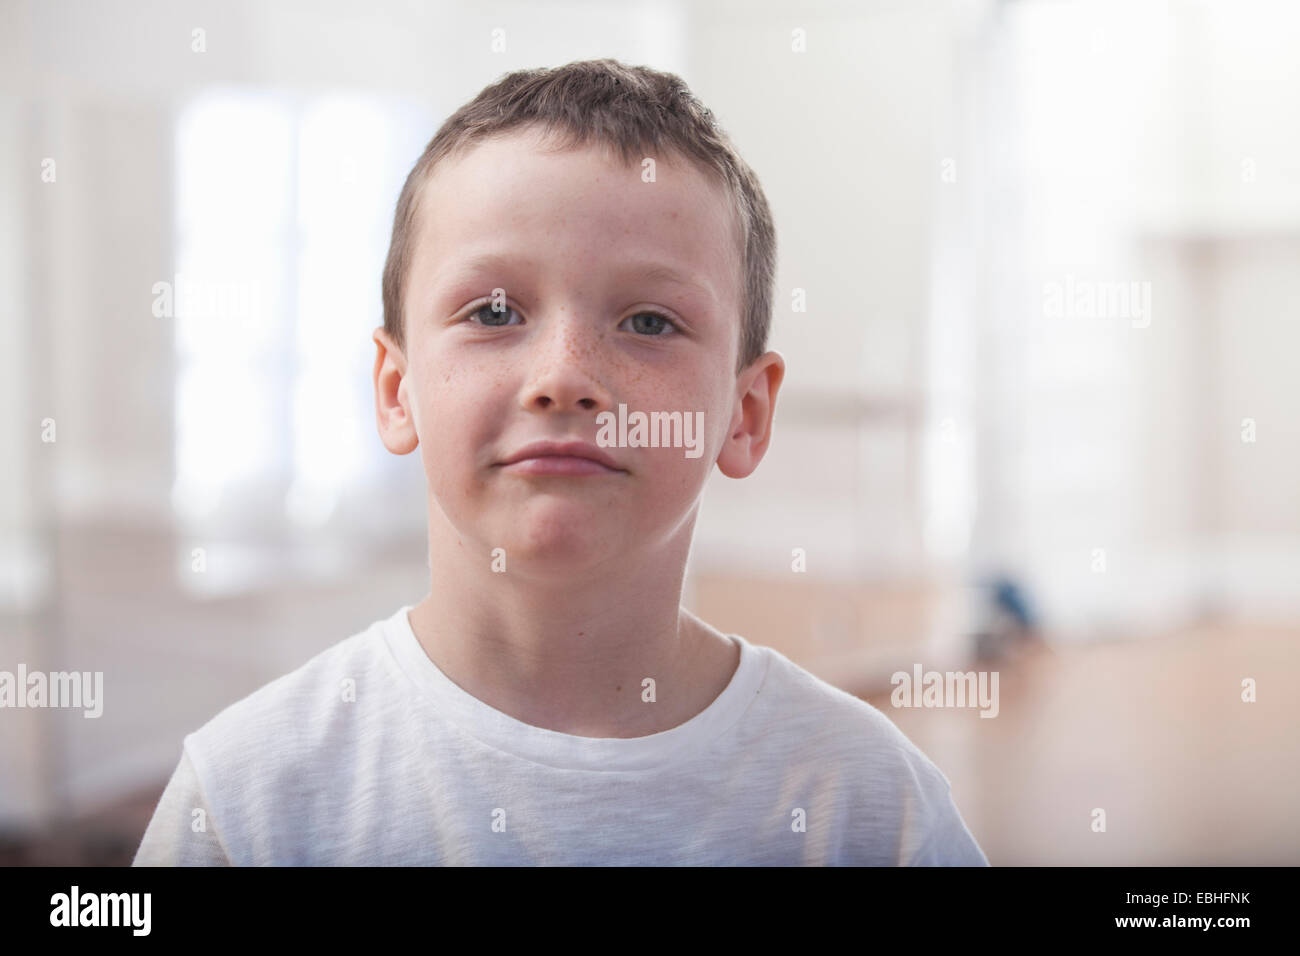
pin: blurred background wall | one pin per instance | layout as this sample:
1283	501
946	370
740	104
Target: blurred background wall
1038	292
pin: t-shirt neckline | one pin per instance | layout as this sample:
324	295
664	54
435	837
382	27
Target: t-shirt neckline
568	751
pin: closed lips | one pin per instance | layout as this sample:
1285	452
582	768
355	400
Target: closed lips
552	449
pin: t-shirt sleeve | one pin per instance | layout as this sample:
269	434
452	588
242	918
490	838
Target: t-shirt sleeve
949	842
182	831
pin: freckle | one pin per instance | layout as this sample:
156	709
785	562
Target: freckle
618	687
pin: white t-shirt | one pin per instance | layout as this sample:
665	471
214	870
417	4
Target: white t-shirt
369	755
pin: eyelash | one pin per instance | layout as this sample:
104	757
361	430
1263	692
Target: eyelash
475	310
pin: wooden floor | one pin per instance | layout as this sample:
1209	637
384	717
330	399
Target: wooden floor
1154	732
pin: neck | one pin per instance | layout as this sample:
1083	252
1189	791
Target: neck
572	657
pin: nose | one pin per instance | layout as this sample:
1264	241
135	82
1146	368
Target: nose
565	358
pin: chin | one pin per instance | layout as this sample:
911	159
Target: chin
560	562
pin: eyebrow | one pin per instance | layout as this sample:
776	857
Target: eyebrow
666	273
651	271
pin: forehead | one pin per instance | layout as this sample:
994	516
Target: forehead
514	197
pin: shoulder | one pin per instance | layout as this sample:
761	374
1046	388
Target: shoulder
802	705
896	803
278	749
302	705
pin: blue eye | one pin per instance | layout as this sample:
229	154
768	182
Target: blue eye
650	323
492	319
663	323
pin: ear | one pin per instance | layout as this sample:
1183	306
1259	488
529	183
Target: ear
751	426
393	397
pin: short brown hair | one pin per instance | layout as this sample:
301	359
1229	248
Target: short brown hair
633	109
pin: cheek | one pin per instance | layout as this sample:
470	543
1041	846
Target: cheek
442	406
710	408
694	394
670	476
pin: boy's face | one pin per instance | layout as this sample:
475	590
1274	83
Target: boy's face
567	237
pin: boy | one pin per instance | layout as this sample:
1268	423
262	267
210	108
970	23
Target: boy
575	245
